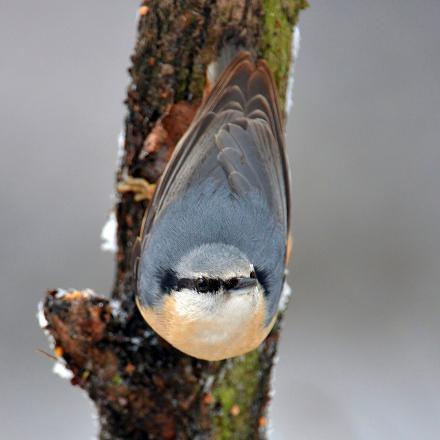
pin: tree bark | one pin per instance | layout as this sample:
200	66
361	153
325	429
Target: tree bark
142	387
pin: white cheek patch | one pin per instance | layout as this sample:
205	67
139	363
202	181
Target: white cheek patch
193	306
219	315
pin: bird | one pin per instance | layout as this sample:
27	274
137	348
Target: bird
210	260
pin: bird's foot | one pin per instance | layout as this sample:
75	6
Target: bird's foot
142	189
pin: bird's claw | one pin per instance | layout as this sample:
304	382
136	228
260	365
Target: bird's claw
142	189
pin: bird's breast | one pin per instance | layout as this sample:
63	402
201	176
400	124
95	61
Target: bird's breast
210	327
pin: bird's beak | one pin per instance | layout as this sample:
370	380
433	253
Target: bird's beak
243	283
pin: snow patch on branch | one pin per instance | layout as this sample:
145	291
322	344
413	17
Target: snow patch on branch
61	370
295	44
41	317
108	234
121	147
286	293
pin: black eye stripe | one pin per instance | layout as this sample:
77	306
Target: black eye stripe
185	283
168	280
263	278
205	285
202	285
231	284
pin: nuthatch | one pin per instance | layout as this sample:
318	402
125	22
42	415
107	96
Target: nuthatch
210	260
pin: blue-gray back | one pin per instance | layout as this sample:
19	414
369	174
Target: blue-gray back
227	181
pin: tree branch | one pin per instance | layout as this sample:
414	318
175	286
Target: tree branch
142	387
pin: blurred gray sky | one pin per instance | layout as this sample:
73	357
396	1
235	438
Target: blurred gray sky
360	357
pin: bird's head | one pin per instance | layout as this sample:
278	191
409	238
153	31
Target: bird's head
212	304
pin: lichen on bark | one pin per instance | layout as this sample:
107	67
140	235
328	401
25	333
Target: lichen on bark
141	386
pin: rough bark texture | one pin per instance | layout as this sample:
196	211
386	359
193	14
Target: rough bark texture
142	387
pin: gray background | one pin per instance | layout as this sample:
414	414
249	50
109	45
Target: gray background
359	357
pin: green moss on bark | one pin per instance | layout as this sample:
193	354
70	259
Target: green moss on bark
279	18
235	393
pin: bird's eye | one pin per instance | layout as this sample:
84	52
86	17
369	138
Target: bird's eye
202	285
231	283
253	274
185	283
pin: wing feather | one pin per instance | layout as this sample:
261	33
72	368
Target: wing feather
236	139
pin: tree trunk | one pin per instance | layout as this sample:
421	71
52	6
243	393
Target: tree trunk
142	387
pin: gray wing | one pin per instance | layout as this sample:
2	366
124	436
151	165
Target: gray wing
235	139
